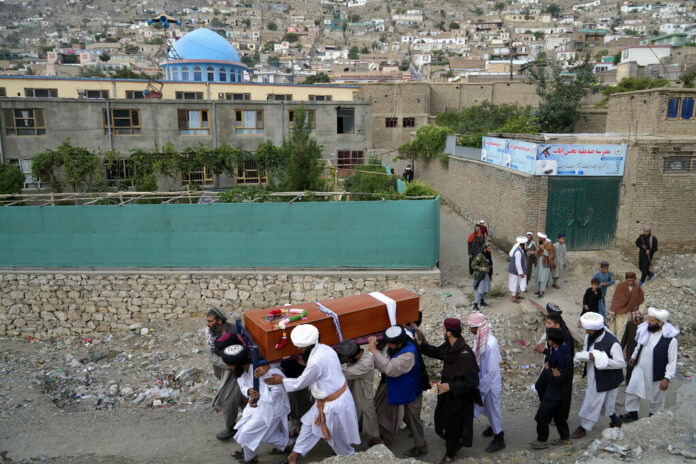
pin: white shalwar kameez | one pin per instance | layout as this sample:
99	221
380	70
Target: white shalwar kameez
490	384
268	421
517	284
642	384
324	376
599	403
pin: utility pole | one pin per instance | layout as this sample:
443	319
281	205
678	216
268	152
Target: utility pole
511	56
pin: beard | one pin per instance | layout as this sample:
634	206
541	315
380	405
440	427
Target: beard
216	330
238	371
393	352
305	354
654	328
594	337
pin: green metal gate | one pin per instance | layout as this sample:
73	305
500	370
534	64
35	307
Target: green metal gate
585	209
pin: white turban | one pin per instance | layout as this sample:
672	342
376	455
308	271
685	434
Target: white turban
542	235
530	233
592	321
518	241
482	221
659	314
304	335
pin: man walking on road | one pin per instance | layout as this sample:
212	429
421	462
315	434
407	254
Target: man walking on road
516	269
647	247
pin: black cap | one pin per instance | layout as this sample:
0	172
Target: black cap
348	348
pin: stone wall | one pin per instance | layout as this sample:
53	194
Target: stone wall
42	304
511	202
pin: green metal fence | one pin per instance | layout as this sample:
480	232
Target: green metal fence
356	234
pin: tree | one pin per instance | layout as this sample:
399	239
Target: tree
364	50
317	78
124	72
131	49
353	53
427	145
500	6
268	46
272	26
632	84
75	166
477	11
538	35
688	79
273	61
92	71
453	25
617	58
554	10
104	57
291	37
354	18
301	155
561	93
216	22
11	179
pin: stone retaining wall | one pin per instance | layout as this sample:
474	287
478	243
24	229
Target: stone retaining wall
42	304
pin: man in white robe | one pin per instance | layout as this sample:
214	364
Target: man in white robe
655	361
604	363
488	359
517	281
265	419
332	416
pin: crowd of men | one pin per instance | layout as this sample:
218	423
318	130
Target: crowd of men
330	392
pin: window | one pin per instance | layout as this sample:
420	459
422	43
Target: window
203	178
135	94
197	74
680	164
30	182
275	97
97	94
248	121
123	121
188	95
320	98
345	120
175	74
248	173
185	73
408	122
24	121
119	173
391	122
237	96
310	120
349	158
210	74
193	122
3	93
40	93
672	108
222	75
687	108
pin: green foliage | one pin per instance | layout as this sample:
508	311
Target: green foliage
554	10
538	35
500	6
364	50
147	183
11	179
617	58
561	93
688	79
104	57
272	26
405	64
419	188
453	25
428	144
75	166
353	53
474	122
355	18
268	46
317	78
477	11
124	72
131	49
301	155
241	193
372	178
92	71
273	61
631	84
291	37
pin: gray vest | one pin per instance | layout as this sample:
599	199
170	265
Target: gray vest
607	379
511	267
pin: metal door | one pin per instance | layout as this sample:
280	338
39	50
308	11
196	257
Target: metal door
585	209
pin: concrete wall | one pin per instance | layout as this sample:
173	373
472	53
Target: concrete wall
62	304
511	202
81	120
650	196
591	121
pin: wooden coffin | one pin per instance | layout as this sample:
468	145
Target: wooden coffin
359	315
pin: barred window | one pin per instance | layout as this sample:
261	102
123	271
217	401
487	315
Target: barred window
188	95
248	173
23	121
122	121
680	164
391	122
36	93
409	122
349	158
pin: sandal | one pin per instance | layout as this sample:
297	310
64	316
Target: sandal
416	451
280	452
254	460
239	454
536	444
294	433
561	441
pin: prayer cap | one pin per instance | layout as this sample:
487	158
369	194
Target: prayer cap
521	239
630	275
592	321
304	335
482	221
542	235
394	334
452	323
219	313
348	348
530	233
604	264
561	235
553	308
476	320
223	341
659	314
235	355
555	335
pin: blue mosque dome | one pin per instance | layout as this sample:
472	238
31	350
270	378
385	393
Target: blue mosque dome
205	45
204	56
